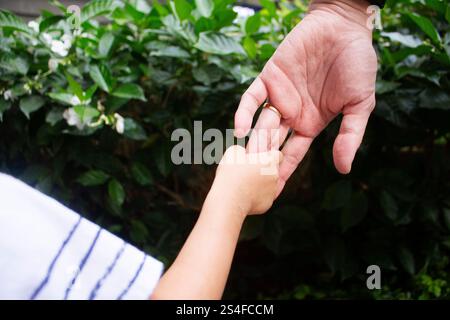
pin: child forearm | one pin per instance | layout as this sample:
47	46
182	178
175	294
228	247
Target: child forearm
201	269
241	187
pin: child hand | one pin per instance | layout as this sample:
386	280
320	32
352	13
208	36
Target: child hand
244	183
249	180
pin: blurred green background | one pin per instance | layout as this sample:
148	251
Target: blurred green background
87	116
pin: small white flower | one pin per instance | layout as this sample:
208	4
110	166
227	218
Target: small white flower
59	47
243	12
75	101
120	123
53	64
67	40
73	119
87	35
47	38
34	26
7	95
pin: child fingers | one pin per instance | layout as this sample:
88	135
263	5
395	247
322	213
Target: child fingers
277	156
235	154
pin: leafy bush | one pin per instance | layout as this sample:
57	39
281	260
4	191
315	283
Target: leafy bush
87	116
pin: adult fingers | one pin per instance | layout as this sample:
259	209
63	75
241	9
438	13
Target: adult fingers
293	152
350	135
281	89
252	98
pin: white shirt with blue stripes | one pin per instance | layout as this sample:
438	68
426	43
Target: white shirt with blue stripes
47	251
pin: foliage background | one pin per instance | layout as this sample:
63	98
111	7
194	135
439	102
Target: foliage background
152	68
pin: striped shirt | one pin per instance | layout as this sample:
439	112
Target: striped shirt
47	251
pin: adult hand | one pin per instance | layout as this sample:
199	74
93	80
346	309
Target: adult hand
325	66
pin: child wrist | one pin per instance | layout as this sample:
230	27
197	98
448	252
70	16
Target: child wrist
231	200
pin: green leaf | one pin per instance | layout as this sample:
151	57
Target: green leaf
171	51
139	232
447	13
86	113
204	24
129	91
141	174
253	24
250	47
430	212
162	10
96	8
133	130
270	6
4	105
389	205
243	73
9	20
426	26
437	5
30	104
90	92
292	17
406	259
101	76
132	12
182	9
15	64
75	87
207	74
58	4
113	104
224	18
337	195
54	116
433	98
407	40
21	65
18	90
205	7
93	178
174	27
63	97
386	86
354	211
105	44
266	51
141	5
48	22
218	44
447	44
302	292
116	192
